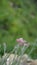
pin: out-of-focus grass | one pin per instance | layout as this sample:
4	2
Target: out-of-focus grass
19	20
21	50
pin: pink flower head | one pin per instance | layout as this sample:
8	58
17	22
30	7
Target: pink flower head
21	42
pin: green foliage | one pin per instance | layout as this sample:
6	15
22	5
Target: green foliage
18	18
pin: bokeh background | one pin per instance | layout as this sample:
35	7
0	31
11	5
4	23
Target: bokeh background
18	18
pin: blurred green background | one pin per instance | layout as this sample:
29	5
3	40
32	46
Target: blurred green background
18	18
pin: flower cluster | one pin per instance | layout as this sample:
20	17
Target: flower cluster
22	42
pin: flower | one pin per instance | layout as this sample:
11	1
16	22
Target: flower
22	42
